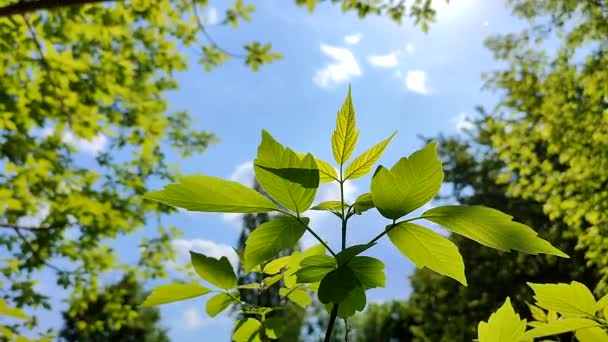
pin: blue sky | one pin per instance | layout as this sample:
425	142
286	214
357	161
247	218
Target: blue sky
402	79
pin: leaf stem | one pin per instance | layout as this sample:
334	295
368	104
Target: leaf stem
297	217
332	321
391	226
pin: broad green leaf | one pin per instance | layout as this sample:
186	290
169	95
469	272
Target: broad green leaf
269	238
269	281
337	284
212	194
314	268
569	300
275	266
218	272
173	293
298	296
7	310
219	303
363	164
327	173
602	303
294	264
538	313
330	206
560	326
349	253
409	184
363	203
424	247
247	330
344	137
289	179
491	228
274	327
251	286
592	334
503	326
355	301
369	271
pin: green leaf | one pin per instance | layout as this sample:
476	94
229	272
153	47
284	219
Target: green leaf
329	206
424	247
409	184
538	313
269	238
560	326
503	326
592	334
369	271
337	284
212	194
7	310
247	330
298	296
218	272
314	268
363	203
327	173
275	327
250	286
572	299
363	164
491	228
173	293
344	137
219	303
294	264
354	301
269	281
346	255
275	266
286	177
602	303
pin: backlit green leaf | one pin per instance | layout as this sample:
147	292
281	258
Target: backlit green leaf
560	326
275	266
269	281
218	272
298	296
591	334
268	239
286	177
503	326
363	164
538	313
344	137
219	303
173	293
424	247
337	284
354	301
369	271
569	300
363	203
491	228
6	310
349	253
329	206
247	330
602	303
250	286
294	263
212	194
314	268
409	184
327	173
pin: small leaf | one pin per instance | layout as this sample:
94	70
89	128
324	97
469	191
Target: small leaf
355	301
217	272
173	293
329	206
503	326
251	286
363	203
491	228
314	268
10	311
538	313
218	303
275	327
269	281
424	247
294	264
344	137
269	238
602	303
300	297
409	184
346	255
337	284
569	300
363	164
289	179
327	173
211	194
275	266
369	271
247	330
560	326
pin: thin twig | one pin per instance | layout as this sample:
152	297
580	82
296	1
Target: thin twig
30	228
35	252
203	30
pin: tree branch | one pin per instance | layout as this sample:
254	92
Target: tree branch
35	252
23	7
30	228
202	28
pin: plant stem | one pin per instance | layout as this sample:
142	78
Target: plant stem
393	225
343	218
332	321
331	251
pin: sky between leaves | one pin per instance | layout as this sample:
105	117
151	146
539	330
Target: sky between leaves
402	80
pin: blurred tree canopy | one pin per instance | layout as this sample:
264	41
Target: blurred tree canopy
84	128
136	325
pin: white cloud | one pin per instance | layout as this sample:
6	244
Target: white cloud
410	48
212	16
42	211
344	66
192	319
92	147
353	39
209	248
462	122
245	175
416	81
485	23
384	61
